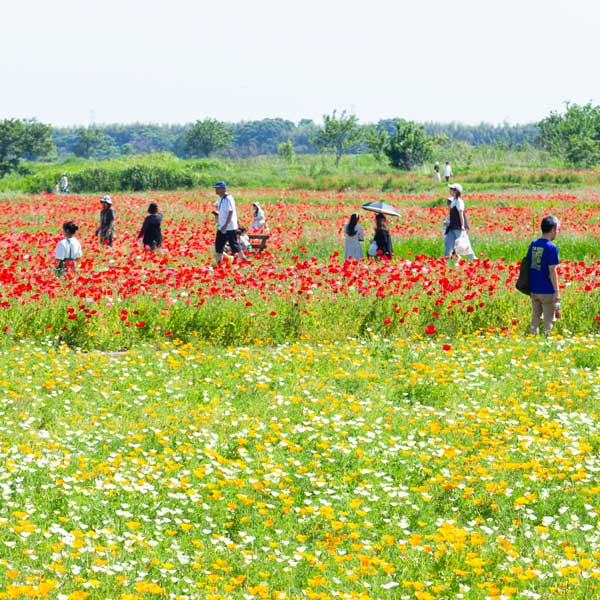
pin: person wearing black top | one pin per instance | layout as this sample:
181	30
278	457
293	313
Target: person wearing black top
150	231
382	236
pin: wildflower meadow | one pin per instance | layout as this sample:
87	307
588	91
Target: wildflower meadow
297	426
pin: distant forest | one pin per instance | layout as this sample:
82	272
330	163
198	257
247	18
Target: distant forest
262	137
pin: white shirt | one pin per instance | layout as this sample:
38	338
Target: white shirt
68	249
447	170
457	203
225	205
259	219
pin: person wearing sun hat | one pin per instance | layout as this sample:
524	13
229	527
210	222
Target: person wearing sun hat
456	224
227	224
106	230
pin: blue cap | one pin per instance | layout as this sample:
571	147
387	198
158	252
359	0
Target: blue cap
220	184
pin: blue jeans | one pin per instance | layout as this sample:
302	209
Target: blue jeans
450	238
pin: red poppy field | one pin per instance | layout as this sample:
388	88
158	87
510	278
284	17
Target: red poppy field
300	286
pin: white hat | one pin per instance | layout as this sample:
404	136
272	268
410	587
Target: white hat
456	186
106	199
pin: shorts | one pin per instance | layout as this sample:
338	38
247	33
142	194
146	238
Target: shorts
230	236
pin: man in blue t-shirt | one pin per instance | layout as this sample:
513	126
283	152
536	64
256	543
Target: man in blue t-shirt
543	255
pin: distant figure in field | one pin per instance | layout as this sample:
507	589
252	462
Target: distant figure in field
447	171
64	184
353	236
456	224
68	250
382	242
150	232
227	224
57	188
436	172
106	229
258	218
545	293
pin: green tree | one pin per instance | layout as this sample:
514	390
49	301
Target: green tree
338	134
573	136
23	139
91	142
376	140
286	151
409	147
207	136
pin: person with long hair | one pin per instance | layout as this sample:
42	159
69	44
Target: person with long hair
353	236
382	242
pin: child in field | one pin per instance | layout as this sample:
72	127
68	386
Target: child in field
67	250
150	232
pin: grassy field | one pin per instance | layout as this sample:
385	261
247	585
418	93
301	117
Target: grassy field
298	426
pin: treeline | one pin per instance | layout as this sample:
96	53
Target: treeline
259	137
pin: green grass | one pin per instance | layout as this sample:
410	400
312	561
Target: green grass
482	168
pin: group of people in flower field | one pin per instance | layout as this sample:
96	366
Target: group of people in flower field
231	240
542	255
228	236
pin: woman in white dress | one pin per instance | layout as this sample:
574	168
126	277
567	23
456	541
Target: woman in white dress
353	236
258	218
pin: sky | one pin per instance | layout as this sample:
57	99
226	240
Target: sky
80	62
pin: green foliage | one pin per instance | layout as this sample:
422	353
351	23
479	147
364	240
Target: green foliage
338	134
574	136
252	138
286	151
376	140
206	137
22	139
91	142
409	147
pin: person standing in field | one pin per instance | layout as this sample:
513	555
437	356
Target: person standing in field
227	224
258	218
68	250
382	242
456	223
151	232
436	172
106	230
353	236
545	294
64	184
447	171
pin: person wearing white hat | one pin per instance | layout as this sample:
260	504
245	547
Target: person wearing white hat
106	229
457	225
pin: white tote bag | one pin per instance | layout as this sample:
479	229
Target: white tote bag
462	245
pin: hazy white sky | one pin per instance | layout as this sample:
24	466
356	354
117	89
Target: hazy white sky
69	62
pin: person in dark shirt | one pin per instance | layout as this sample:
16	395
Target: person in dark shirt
150	232
106	229
382	237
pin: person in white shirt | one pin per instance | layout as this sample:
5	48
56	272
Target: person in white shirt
64	184
227	224
447	171
67	250
258	219
456	223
